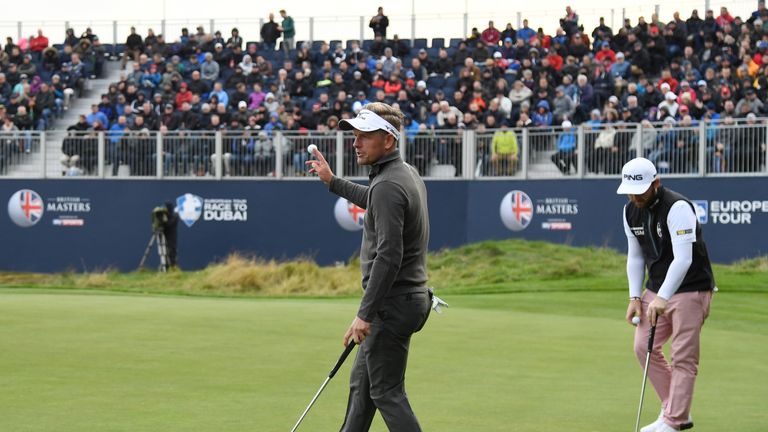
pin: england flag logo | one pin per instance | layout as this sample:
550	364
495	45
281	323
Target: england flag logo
25	208
516	210
349	216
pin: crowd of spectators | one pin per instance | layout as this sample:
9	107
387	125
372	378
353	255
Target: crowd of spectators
37	81
681	72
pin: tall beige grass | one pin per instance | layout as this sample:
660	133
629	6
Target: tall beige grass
235	275
241	275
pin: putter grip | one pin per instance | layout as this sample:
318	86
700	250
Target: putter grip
343	357
651	335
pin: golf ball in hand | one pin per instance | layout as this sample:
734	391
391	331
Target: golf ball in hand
636	320
311	148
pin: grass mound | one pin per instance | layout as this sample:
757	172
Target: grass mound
485	267
520	265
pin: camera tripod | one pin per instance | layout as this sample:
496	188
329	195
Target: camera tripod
162	250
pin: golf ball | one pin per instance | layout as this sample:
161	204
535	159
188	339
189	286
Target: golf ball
636	320
311	148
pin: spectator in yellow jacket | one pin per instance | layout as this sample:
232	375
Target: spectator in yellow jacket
504	151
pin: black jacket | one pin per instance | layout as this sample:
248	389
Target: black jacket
270	32
133	42
649	225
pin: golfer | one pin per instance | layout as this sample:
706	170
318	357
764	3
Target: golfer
393	259
664	237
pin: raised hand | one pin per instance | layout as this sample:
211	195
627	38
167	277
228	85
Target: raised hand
320	167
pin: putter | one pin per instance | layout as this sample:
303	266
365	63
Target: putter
335	369
651	335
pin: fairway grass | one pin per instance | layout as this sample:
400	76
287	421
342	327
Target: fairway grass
530	361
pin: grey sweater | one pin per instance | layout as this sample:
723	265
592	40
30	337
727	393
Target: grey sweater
393	254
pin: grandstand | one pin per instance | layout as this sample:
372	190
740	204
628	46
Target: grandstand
510	102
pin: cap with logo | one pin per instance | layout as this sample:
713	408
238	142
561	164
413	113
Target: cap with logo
369	121
636	177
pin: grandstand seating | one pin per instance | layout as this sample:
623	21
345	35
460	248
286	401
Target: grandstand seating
715	81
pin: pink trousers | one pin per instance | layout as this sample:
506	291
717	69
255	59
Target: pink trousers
674	380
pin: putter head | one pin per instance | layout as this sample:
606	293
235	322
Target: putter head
437	303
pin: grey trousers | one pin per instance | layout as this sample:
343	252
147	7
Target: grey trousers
377	380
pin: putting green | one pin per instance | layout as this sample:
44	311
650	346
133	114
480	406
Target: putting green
73	361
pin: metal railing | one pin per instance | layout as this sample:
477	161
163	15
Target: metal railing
704	149
22	148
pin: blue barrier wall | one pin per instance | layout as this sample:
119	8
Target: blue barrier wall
87	225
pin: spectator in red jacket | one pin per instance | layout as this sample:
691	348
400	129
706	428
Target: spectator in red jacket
606	53
491	36
500	62
685	89
666	77
393	86
724	18
38	44
184	95
555	60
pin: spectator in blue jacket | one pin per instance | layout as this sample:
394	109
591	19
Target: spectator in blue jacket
542	117
620	72
411	127
114	150
150	80
96	115
566	149
525	33
221	95
273	125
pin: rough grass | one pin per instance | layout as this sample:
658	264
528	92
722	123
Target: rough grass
751	265
485	267
239	275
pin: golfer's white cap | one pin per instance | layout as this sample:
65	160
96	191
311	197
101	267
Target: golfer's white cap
369	121
636	177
